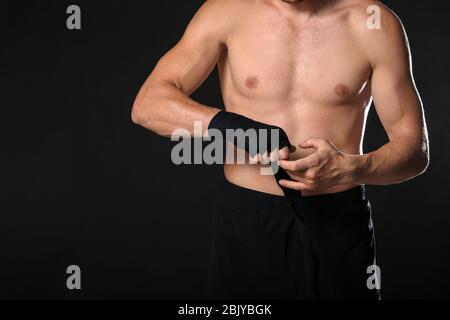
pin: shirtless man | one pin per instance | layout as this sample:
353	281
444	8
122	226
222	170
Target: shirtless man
310	68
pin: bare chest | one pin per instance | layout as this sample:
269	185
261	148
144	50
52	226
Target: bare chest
271	57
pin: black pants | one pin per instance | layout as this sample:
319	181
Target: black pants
266	247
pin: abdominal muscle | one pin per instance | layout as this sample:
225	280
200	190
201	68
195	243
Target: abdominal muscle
342	125
250	177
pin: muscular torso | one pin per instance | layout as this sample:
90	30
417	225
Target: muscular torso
303	74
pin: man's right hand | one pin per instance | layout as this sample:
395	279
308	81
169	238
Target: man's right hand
256	138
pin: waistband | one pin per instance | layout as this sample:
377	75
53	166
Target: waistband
242	194
245	196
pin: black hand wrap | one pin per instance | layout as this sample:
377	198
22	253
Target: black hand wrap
291	194
226	120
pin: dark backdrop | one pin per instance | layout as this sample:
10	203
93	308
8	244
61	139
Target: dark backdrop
80	184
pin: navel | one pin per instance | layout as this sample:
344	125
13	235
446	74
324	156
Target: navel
251	82
341	90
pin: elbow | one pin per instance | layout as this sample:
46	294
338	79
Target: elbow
142	114
147	112
422	163
138	114
425	165
147	116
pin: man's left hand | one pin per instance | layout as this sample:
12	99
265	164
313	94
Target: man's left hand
325	168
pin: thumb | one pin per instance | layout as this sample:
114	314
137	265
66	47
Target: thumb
310	143
313	143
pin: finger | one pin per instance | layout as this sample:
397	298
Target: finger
297	175
301	164
292	149
265	158
315	143
277	155
300	177
295	185
284	154
287	165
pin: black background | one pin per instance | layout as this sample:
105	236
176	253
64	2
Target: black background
80	184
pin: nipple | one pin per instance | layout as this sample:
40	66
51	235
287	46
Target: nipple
251	82
341	90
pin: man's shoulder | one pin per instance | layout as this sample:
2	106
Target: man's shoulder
226	6
215	18
376	29
223	12
373	24
365	16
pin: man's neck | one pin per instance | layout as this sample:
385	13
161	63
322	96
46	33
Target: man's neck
308	7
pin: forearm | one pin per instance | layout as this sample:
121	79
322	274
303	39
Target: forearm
165	108
399	160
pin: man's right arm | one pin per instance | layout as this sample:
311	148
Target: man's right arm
163	104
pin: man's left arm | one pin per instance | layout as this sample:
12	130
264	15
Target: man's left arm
400	110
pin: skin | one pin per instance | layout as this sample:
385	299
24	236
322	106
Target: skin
310	67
